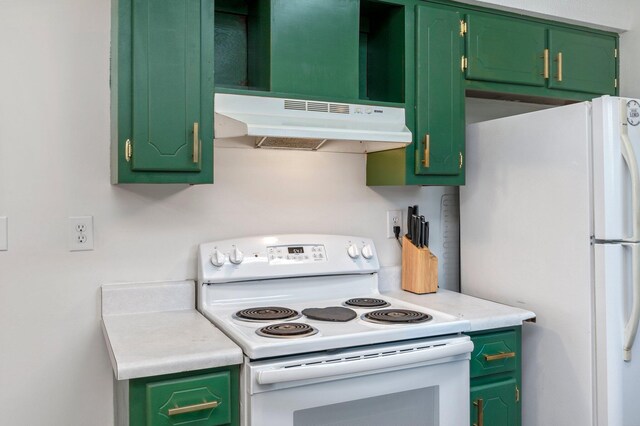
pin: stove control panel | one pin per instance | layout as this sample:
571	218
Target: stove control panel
282	255
285	256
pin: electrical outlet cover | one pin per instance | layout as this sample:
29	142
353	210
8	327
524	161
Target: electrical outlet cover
4	233
394	218
80	233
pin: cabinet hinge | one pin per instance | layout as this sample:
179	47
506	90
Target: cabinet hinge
461	160
517	394
615	52
615	83
463	63
128	150
463	28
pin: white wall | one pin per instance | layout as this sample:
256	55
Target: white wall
54	159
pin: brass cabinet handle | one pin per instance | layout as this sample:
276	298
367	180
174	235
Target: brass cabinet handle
559	60
545	57
461	160
196	143
191	408
517	394
479	403
502	355
127	150
427	151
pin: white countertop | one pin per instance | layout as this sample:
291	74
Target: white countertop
482	314
153	329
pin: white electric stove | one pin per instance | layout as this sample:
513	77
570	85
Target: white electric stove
307	313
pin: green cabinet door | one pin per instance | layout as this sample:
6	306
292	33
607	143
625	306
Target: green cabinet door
169	84
505	50
315	47
439	136
199	401
495	403
582	62
162	91
198	398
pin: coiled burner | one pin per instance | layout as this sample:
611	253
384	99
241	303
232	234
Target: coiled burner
266	313
365	302
287	330
396	316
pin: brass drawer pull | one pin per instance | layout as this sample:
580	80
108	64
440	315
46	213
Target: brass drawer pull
479	403
192	408
427	151
502	355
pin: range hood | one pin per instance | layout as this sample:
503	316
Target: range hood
308	125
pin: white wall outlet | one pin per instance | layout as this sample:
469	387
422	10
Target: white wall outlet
80	233
4	233
394	218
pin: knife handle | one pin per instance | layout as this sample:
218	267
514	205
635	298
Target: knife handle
409	214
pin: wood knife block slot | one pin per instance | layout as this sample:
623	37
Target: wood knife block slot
419	269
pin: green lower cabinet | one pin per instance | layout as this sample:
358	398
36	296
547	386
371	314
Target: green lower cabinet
495	369
495	403
208	398
162	91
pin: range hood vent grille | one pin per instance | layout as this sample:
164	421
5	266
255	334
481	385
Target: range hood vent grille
312	106
290	143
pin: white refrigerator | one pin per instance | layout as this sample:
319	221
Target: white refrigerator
550	222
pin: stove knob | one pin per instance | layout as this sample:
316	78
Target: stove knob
218	258
367	251
236	256
353	251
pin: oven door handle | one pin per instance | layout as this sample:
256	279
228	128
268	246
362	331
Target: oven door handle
339	368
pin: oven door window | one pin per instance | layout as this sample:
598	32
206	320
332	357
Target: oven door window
414	407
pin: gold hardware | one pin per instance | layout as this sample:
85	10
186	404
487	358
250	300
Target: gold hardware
517	394
192	408
559	61
128	150
427	150
196	143
615	52
615	83
545	57
463	63
479	403
461	160
463	28
501	355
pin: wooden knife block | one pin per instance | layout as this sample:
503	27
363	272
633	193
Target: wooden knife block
419	269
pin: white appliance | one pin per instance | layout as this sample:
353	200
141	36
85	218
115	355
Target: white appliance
308	125
332	365
550	222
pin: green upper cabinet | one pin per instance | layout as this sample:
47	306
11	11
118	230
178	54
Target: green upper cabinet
505	50
582	62
315	47
439	138
163	71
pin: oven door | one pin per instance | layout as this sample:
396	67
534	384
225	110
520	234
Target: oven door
417	382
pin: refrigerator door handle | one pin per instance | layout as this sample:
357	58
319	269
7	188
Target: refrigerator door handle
631	327
632	164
